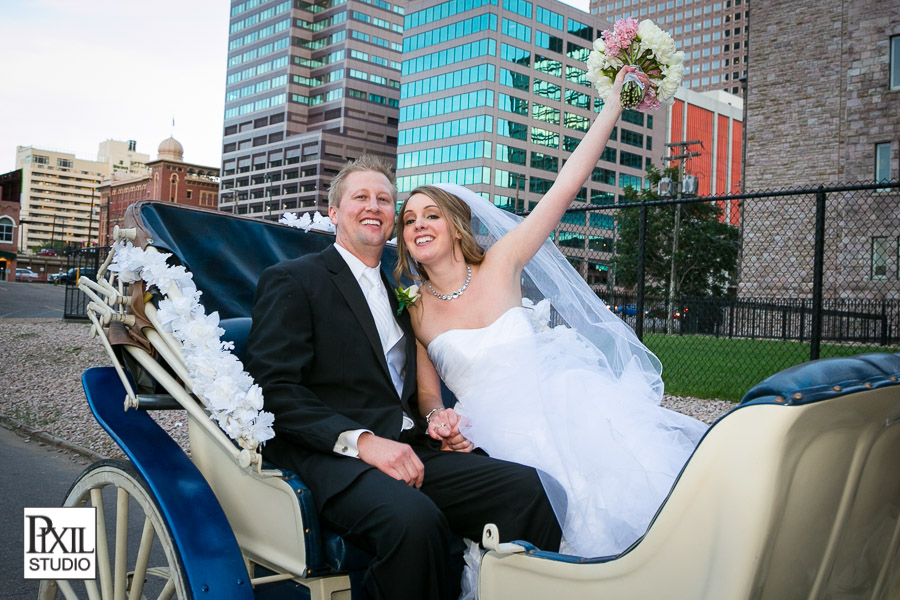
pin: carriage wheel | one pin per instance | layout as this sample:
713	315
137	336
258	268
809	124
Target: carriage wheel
153	570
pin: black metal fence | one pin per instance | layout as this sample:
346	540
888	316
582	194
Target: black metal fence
80	261
814	273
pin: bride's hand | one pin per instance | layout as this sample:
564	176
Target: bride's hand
444	427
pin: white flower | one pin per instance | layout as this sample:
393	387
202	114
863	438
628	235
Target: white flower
317	222
218	377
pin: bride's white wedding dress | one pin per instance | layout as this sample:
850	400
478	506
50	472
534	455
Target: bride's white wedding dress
546	398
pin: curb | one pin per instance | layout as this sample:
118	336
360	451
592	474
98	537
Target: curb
22	428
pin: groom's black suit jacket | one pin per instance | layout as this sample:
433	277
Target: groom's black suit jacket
314	349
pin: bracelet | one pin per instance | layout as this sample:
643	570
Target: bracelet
431	414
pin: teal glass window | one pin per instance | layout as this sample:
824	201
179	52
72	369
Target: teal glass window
570	239
601	175
444	154
633	116
512	104
599	221
626	180
511	129
538	185
446	105
426	39
576	75
632	138
450	80
506	203
577	122
577	52
629	159
461	53
547	114
511	154
546	162
442	11
444	130
470	176
547	89
609	154
581	30
509	180
578	100
549	18
548	66
574	218
544	137
520	7
515	55
516	30
514	80
550	42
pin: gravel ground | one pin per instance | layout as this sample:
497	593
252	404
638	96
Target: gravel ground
42	391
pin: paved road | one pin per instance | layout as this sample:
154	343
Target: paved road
33	475
20	300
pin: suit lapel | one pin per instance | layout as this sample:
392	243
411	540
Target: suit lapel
348	286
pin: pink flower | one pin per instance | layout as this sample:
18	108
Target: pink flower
626	30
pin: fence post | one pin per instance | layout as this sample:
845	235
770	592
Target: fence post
815	338
642	250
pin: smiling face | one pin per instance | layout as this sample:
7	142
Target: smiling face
364	217
427	234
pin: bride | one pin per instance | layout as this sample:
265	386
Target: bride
566	388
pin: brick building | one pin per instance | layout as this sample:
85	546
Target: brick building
170	180
831	119
10	205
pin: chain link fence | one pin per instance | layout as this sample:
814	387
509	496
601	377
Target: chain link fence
728	290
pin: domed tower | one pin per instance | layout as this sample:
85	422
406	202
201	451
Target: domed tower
170	149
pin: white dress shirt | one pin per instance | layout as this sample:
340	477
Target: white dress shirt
389	332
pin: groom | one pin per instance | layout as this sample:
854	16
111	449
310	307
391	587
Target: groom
338	370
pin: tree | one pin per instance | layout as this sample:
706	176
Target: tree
707	247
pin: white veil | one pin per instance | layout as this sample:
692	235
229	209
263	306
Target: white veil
550	276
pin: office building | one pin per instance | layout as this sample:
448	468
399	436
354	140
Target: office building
707	128
308	87
123	157
712	33
835	121
59	202
495	97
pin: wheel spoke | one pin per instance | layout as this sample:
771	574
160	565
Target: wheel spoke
66	588
143	558
121	544
103	572
167	591
92	591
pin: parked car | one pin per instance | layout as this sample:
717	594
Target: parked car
71	276
23	274
47	252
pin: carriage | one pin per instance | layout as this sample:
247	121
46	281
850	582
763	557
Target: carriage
793	493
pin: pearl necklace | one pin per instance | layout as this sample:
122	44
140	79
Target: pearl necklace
457	293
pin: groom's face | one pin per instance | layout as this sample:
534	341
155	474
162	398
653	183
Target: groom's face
364	219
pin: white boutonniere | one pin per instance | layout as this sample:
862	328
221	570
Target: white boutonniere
406	298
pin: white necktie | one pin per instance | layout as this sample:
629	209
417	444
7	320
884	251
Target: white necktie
389	331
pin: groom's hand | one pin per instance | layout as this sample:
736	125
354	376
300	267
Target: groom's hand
391	458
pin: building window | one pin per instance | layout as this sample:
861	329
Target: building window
895	62
6	230
882	162
880	250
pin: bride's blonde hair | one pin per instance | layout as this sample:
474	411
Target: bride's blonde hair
457	213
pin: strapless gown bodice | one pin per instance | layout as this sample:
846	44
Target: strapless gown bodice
608	454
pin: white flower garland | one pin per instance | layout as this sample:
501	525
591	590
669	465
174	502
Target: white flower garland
228	392
317	222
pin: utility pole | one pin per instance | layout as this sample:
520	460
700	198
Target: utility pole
682	156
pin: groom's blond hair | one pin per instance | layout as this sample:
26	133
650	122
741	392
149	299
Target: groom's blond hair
366	162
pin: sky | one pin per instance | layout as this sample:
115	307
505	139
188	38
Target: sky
78	72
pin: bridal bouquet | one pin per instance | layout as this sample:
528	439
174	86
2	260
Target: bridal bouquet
647	47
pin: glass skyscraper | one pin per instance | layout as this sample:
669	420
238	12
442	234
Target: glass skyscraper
494	96
309	86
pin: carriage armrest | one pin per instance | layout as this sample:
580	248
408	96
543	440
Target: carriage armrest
212	562
826	378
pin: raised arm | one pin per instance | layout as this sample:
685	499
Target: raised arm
521	244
